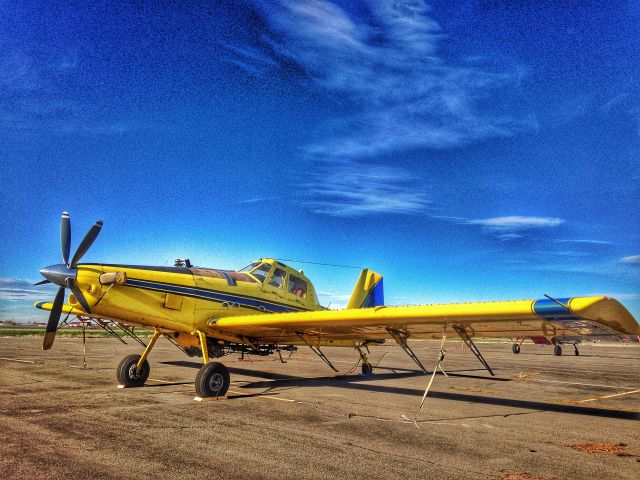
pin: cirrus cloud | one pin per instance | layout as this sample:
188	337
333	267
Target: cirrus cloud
515	227
354	190
382	58
515	223
381	61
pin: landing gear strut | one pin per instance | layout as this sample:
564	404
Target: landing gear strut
213	379
134	370
515	348
128	373
367	368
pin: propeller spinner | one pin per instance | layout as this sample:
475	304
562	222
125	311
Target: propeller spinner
64	274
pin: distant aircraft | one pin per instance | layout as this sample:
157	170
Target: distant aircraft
541	340
267	307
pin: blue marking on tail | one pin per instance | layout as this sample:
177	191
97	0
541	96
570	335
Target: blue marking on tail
550	310
375	297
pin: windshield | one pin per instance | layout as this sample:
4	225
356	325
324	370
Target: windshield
249	267
261	272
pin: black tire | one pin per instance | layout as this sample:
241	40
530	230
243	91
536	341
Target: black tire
515	348
367	369
126	372
212	380
557	350
576	351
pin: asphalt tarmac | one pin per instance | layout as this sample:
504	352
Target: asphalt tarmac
540	417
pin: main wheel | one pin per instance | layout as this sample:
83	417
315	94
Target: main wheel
126	372
212	380
557	350
367	369
576	350
515	348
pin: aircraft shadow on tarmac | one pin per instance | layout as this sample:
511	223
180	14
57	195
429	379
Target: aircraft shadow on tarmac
396	373
360	382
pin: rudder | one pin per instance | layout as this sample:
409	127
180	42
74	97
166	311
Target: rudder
368	292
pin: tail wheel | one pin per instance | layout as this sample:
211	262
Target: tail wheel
212	380
515	348
126	372
557	350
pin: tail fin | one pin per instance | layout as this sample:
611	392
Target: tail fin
368	291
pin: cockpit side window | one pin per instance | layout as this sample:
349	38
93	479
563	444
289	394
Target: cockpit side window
278	279
261	272
297	286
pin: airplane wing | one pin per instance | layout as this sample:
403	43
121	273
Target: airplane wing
578	316
66	308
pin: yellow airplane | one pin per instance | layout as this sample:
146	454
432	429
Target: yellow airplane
268	306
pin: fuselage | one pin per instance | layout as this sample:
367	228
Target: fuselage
184	299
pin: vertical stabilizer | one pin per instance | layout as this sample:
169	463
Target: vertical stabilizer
368	291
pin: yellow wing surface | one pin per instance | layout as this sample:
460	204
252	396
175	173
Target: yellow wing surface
66	308
566	317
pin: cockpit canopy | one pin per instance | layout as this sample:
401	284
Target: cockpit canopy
281	276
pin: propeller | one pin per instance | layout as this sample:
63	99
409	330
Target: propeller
64	275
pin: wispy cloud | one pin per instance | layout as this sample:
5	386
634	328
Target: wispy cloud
355	189
585	241
385	61
17	297
515	227
381	59
567	253
507	228
253	200
514	223
633	260
12	290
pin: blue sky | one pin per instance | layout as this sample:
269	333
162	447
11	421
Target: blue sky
465	150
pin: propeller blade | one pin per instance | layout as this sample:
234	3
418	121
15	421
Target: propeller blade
78	294
86	243
65	237
42	282
54	318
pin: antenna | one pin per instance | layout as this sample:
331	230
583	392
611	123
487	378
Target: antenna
318	263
